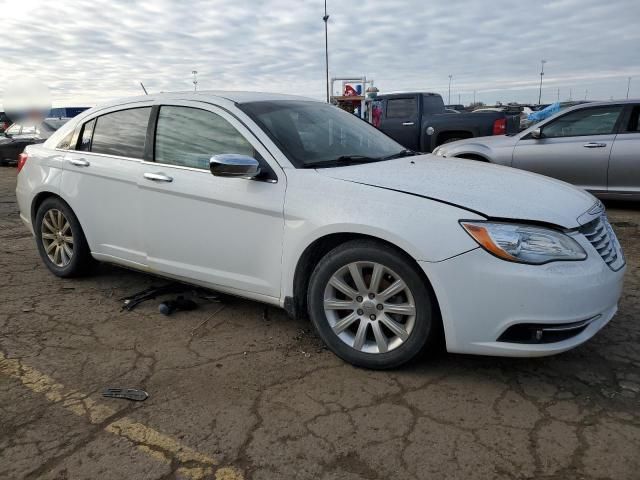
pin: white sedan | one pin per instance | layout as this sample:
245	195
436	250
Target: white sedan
295	203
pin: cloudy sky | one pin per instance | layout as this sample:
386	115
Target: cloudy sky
89	51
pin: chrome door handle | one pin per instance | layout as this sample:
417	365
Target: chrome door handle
594	145
158	177
407	124
79	162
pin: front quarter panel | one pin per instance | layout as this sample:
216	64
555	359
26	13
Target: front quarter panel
317	206
498	150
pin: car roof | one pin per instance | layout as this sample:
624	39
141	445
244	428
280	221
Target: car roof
584	104
238	97
407	92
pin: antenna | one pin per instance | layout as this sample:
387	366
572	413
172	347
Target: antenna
144	89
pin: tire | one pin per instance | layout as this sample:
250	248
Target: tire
65	255
343	330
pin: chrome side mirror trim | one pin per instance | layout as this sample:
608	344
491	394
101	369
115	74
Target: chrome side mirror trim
234	165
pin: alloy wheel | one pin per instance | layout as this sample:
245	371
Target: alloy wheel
369	307
57	237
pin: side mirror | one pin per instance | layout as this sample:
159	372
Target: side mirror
537	133
234	165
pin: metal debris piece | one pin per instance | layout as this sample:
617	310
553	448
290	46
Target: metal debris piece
207	319
133	394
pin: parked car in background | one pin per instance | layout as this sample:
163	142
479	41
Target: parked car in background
15	138
66	112
594	145
4	122
296	203
419	121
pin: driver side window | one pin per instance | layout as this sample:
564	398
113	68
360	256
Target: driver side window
588	121
188	137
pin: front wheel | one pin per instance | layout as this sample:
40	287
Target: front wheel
370	305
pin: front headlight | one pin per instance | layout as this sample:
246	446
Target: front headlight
524	243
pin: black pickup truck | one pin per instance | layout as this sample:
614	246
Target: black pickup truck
418	121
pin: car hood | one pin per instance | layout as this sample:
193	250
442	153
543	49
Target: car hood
491	190
493	141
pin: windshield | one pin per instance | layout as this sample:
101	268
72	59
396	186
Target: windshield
314	134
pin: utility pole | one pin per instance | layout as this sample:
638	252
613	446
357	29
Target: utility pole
449	100
459	99
326	49
570	93
628	86
474	97
558	94
586	92
542	62
195	80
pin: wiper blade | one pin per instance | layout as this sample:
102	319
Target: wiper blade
400	154
343	160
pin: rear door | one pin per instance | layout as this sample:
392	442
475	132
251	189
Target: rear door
401	120
574	147
100	180
624	165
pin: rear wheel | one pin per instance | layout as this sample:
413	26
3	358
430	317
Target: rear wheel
370	305
60	239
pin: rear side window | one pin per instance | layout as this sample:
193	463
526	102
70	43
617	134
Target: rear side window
402	108
121	133
86	136
189	137
634	121
587	121
65	143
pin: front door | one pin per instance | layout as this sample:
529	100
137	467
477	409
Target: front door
624	165
574	147
223	232
400	121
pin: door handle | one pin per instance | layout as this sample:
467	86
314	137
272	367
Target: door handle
158	177
407	124
79	162
594	145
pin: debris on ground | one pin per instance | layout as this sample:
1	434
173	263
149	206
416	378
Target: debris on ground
178	304
133	394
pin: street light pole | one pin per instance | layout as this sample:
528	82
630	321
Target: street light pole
542	62
628	86
195	79
326	48
449	101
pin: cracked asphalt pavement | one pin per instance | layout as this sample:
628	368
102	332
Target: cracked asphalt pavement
247	393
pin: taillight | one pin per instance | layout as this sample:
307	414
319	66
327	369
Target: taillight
500	126
22	159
